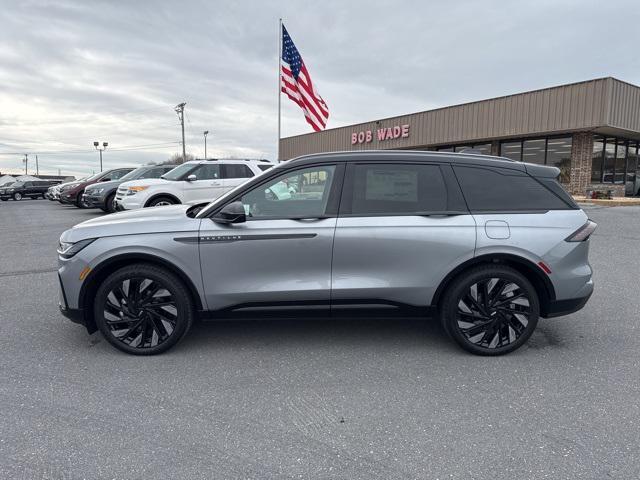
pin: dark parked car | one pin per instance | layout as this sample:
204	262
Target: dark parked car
102	195
20	190
72	192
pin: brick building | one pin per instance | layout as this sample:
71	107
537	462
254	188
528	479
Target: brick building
589	130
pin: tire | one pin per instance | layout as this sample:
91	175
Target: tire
3	199
109	203
491	324
161	201
148	329
17	196
79	202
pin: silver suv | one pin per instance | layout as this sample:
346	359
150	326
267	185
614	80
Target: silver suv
486	244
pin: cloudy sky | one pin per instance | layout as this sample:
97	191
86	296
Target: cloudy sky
72	72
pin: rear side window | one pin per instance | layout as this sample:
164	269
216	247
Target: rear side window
236	171
500	190
265	167
396	189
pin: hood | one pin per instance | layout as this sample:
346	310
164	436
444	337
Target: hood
108	185
171	218
146	181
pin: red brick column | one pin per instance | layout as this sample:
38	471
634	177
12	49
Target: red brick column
581	154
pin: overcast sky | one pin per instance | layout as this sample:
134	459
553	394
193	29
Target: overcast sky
72	72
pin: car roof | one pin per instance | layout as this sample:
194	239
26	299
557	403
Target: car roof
412	155
200	161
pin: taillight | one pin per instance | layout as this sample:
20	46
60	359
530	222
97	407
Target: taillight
583	233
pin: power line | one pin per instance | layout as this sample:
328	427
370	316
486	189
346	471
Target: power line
121	149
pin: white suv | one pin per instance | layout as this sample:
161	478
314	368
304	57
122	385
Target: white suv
192	182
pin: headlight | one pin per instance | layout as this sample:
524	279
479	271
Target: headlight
10	190
68	250
94	191
134	190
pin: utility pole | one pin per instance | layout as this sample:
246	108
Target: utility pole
206	132
180	111
26	163
37	168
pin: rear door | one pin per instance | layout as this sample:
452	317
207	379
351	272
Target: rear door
401	229
234	174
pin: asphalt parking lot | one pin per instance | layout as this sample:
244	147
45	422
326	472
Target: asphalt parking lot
316	398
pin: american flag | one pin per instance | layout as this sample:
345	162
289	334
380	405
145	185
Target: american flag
296	82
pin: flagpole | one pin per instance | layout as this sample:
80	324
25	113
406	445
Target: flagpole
279	94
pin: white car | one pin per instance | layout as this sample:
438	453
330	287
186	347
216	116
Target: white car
194	182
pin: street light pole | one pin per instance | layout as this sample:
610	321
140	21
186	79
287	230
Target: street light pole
104	146
206	132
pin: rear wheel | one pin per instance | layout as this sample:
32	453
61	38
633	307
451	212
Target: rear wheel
17	196
490	310
160	201
143	309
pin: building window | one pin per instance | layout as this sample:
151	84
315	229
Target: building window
483	148
533	151
559	155
619	166
512	150
597	159
632	187
609	160
462	148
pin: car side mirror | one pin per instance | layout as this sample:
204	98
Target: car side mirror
192	178
231	213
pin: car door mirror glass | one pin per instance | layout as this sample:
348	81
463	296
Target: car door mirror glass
231	213
192	178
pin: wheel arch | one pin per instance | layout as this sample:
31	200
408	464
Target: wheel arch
539	280
158	195
110	265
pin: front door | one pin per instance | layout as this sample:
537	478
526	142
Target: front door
281	255
401	229
206	187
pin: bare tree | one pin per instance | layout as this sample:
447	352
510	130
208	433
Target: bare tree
177	159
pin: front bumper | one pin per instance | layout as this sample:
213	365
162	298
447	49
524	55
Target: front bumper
76	315
93	201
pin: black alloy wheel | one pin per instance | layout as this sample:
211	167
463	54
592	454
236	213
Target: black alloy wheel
491	310
143	309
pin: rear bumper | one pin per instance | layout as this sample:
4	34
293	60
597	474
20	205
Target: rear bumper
558	308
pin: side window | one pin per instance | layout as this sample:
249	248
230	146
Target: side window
302	193
495	190
396	189
115	175
27	184
236	171
155	172
207	172
265	167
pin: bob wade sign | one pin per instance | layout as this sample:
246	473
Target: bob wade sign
382	134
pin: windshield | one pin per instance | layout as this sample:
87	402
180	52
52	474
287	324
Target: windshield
92	177
178	172
135	174
8	184
17	184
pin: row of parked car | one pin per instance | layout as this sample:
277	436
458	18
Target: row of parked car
27	189
193	182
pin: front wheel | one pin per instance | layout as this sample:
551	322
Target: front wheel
79	202
110	203
143	309
490	310
17	196
161	201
